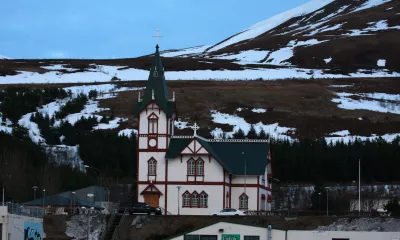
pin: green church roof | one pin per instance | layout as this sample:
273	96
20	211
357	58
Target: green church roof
156	88
229	154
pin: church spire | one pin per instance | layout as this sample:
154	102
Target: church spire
156	87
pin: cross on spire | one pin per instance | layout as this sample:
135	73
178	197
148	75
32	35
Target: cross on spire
157	36
195	127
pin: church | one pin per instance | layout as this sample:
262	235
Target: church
191	175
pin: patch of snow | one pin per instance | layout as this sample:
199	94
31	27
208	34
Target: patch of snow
127	132
381	63
341	86
378	106
370	4
101	89
247	74
389	8
364	225
259	110
181	124
111	124
246	56
90	108
4	57
79	225
64	155
186	51
33	128
53	107
279	56
274	130
268	24
5	126
341	133
374	27
337	26
346	139
330	16
328	60
6	129
240	109
58	67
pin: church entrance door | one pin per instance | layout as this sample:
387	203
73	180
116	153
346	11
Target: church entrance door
152	199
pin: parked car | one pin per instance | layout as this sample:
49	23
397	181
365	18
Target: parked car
229	212
139	208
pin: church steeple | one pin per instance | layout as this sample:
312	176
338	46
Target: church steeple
156	87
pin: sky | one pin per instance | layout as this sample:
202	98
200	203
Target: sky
123	28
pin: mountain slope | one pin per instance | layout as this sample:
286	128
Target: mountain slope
322	34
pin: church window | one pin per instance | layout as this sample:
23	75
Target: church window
152	167
243	201
191	167
195	199
153	125
203	199
186	199
199	167
155	74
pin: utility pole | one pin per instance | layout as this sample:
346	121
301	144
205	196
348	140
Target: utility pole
3	196
327	201
359	186
178	187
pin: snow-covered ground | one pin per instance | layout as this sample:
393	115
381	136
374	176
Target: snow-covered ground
106	73
127	132
85	226
370	4
392	106
250	56
185	51
274	130
4	57
280	132
364	225
268	24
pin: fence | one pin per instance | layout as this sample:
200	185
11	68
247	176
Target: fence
296	213
22	210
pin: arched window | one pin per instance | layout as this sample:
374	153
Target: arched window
186	199
153	123
155	74
203	200
191	167
243	201
199	167
152	167
195	199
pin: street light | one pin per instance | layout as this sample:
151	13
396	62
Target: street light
73	200
44	196
319	202
327	202
87	166
179	188
34	192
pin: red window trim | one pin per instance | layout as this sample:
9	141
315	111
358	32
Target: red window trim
148	167
152	117
247	197
198	199
195	167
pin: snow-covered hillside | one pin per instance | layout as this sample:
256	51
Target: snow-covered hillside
4	57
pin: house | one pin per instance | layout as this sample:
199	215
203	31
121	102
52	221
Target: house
235	231
191	175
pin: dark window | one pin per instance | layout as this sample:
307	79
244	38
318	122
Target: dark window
208	237
191	237
200	237
340	238
251	237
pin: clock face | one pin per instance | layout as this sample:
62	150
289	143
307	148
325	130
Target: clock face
152	142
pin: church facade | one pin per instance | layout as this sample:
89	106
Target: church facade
191	175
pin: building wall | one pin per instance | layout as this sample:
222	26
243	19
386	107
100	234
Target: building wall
329	235
251	192
215	199
14	226
230	228
177	170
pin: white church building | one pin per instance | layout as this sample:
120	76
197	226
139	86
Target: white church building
191	175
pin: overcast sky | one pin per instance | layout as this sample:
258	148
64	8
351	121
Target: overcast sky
123	28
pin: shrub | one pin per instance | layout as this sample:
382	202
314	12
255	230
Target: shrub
73	106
